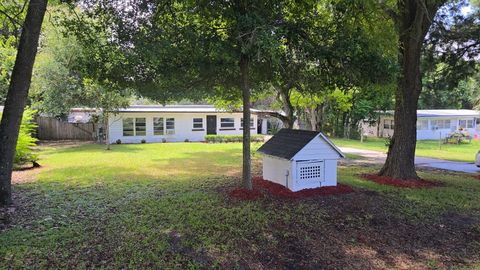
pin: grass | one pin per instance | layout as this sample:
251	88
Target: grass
425	148
164	206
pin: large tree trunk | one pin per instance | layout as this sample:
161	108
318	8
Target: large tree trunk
413	21
247	169
17	94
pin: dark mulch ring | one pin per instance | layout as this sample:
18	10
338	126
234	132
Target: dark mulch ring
277	190
413	183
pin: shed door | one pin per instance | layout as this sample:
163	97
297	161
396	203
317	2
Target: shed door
211	125
310	173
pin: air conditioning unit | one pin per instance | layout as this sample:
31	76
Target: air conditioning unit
170	132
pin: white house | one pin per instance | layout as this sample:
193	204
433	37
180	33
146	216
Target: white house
431	124
173	123
300	159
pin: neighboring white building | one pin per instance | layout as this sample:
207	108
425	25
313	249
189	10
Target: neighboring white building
431	124
300	159
174	123
81	115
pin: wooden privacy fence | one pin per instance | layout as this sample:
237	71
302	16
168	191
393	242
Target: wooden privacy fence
54	129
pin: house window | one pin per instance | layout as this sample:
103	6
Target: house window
140	127
158	128
128	127
197	123
227	122
469	123
446	124
465	123
392	125
422	124
251	123
386	124
441	124
170	125
134	127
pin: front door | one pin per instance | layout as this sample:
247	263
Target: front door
211	125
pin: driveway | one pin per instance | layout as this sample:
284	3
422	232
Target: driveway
375	157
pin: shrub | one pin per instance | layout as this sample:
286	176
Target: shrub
187	140
143	141
164	140
119	141
24	152
231	138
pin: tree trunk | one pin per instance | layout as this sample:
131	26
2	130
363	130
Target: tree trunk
287	107
18	93
413	21
247	170
311	117
106	129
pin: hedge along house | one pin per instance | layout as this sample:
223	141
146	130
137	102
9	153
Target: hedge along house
431	124
300	159
174	123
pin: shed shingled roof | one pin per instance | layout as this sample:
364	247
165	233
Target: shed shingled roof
288	142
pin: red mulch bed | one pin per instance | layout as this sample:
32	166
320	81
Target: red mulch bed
278	190
477	177
413	183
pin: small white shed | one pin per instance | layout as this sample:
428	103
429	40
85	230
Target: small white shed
300	159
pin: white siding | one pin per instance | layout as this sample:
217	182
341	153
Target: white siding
329	176
183	127
276	170
317	149
369	130
330	172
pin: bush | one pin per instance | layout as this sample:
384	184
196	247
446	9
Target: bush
187	140
119	141
164	140
24	152
143	141
231	138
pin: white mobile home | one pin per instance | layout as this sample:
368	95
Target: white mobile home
174	123
431	124
300	159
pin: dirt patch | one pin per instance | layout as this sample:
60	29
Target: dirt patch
413	183
25	176
64	143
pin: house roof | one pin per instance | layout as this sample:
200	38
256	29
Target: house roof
176	109
440	113
288	142
443	113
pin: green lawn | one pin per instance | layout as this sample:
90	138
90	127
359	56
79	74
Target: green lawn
429	148
164	206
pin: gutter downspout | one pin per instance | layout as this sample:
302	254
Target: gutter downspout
287	173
